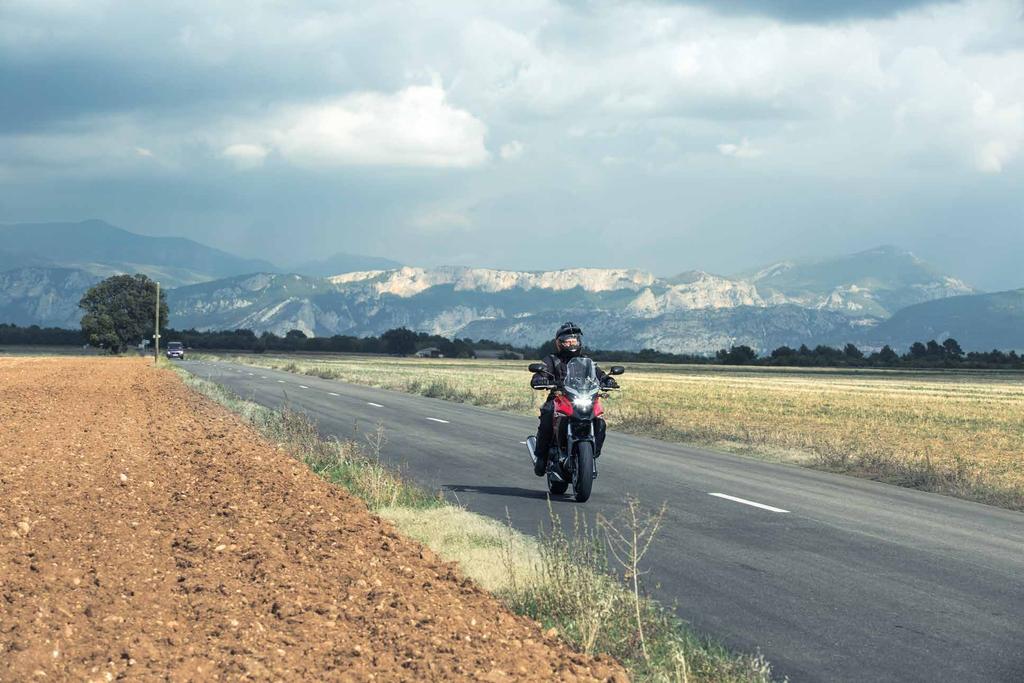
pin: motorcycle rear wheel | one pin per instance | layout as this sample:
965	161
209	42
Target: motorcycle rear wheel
584	479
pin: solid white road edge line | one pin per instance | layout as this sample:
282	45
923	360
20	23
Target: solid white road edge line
437	419
375	405
747	502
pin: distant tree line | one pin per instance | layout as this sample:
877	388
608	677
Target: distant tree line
403	342
399	341
931	354
33	335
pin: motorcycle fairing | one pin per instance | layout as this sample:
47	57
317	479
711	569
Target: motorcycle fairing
581	388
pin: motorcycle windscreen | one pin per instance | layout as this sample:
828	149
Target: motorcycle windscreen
581	377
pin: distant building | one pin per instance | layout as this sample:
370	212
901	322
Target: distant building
429	352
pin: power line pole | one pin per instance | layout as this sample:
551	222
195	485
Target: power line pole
156	335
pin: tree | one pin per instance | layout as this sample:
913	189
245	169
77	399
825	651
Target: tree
953	350
783	352
853	352
119	312
737	355
887	355
918	350
400	341
295	339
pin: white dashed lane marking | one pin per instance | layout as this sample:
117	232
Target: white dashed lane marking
437	419
280	381
748	502
375	405
332	393
303	386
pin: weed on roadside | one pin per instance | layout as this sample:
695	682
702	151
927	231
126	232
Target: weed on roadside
575	590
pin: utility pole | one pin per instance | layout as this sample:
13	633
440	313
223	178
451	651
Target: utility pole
156	335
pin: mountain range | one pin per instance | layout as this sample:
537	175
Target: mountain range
883	295
101	249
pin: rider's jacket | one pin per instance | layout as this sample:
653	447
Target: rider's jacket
556	366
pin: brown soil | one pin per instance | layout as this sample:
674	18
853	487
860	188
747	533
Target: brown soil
146	533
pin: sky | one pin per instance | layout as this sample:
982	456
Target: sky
718	135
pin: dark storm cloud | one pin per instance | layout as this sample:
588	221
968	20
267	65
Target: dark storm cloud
134	60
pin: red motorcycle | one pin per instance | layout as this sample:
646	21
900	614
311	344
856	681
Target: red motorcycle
577	406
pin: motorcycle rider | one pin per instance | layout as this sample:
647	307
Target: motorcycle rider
568	345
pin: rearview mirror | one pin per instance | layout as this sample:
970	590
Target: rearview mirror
616	370
537	367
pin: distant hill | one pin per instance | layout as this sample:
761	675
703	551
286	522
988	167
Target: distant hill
835	300
43	296
874	283
102	249
980	322
344	263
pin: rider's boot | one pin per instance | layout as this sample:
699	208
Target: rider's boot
539	450
541	463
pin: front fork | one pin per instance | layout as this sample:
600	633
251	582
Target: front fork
571	440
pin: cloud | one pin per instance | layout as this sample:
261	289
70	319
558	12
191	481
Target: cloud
813	10
743	150
511	150
415	126
144	152
245	155
600	112
440	219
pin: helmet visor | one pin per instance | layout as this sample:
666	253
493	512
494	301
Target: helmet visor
569	342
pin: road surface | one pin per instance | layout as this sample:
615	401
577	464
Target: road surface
833	578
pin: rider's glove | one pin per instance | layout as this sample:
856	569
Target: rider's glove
610	383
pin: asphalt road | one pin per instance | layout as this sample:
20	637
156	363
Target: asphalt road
836	579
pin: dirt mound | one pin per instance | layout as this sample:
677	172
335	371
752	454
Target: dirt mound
146	533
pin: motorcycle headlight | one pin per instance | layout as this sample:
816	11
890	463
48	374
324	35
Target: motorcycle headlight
583	402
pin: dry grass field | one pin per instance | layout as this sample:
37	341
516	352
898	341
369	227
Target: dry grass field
955	432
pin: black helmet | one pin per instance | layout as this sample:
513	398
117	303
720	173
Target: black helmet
569	340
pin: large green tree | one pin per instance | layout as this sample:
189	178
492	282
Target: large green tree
400	341
119	312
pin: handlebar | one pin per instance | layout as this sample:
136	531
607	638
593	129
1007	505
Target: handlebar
556	387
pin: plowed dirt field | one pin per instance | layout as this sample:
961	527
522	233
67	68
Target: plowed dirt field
146	533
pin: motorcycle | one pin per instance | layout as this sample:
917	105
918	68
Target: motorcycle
577	407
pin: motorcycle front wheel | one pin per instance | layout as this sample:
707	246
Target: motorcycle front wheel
584	479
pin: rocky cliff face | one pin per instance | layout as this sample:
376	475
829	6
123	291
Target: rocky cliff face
694	312
407	281
43	296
